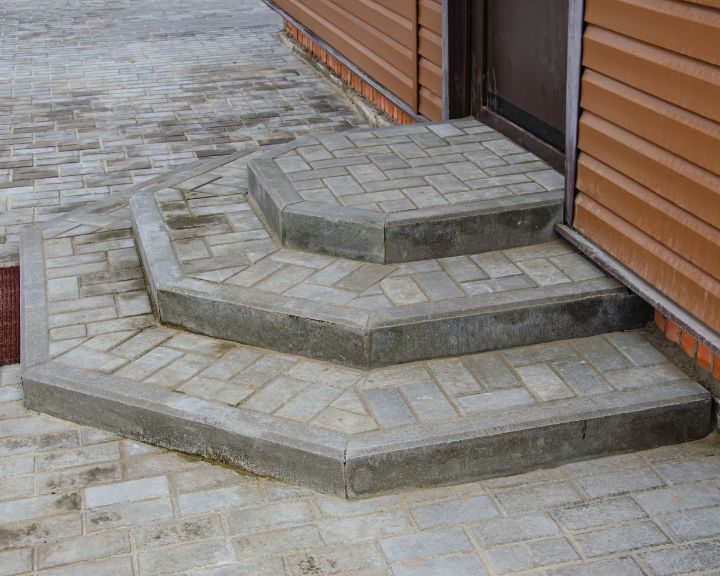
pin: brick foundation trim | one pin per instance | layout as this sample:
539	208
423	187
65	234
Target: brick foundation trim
701	354
348	76
9	315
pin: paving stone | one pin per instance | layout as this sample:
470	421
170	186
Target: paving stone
221	498
169	533
286	541
183	557
454	512
451	566
15	562
82	549
516	529
683	559
371	526
518	557
335	560
619	483
537	497
624	566
600	513
676	499
624	538
417	546
129	491
543	382
269	516
693	524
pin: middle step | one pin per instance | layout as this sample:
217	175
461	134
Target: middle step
213	269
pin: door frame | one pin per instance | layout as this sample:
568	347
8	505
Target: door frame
464	52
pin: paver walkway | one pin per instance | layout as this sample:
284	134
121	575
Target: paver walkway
98	95
79	501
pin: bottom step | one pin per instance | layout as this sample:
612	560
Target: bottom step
424	424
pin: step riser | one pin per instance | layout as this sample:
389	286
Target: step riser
526	450
205	429
383	346
472	234
315	231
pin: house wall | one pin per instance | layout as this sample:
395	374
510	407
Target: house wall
397	43
648	172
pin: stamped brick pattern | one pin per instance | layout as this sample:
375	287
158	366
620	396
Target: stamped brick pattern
76	500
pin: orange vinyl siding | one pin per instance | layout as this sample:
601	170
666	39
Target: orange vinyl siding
395	42
648	174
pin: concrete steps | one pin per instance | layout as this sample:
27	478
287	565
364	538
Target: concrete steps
213	268
348	376
406	193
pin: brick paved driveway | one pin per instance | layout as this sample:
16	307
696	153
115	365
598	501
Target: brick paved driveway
103	93
99	94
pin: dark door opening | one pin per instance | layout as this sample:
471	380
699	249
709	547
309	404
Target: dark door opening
514	57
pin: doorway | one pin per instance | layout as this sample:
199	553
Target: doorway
515	63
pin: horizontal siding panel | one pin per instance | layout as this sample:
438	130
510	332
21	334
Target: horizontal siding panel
682	183
431	77
332	27
430	15
388	23
686	134
401	7
690	30
688	83
708	3
430	46
682	281
674	228
430	104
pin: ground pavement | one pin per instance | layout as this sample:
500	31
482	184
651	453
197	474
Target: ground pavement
103	95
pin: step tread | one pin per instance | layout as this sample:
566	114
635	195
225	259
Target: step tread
93	351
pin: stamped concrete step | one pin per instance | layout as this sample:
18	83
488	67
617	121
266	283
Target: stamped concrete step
407	193
94	353
214	269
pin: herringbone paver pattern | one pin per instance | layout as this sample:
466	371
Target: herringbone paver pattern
97	96
100	319
410	168
78	501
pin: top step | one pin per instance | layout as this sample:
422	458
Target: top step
407	193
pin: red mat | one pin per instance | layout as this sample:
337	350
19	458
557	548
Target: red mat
9	315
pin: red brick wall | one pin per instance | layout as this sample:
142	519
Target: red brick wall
9	315
368	92
701	354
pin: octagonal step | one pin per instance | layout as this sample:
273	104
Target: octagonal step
406	193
